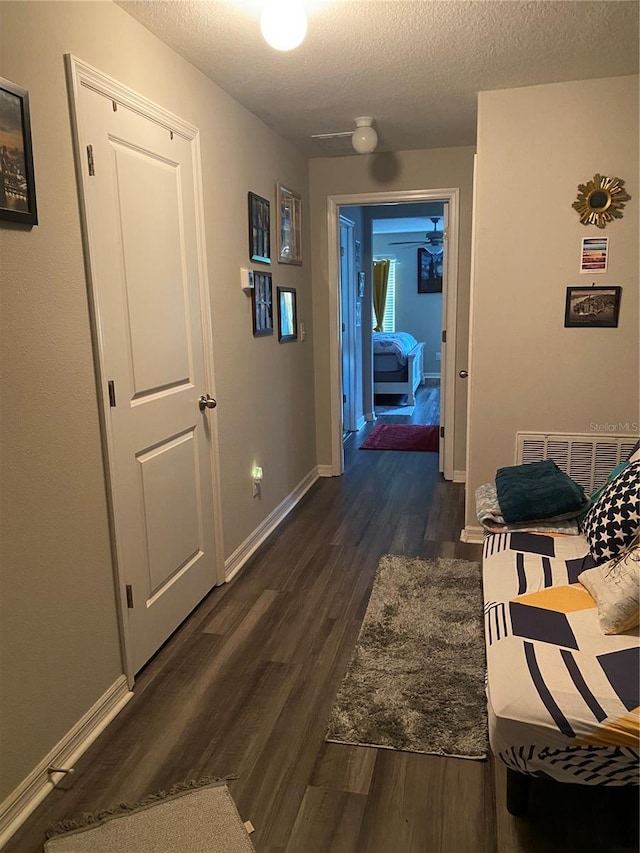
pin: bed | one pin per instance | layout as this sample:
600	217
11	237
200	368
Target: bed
562	696
397	364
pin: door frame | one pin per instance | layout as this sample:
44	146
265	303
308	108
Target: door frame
349	320
81	74
451	195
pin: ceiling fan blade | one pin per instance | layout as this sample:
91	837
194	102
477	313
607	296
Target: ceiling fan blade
408	243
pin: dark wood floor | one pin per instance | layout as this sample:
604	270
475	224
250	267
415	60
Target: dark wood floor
246	685
426	410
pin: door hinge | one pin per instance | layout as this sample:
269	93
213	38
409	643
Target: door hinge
444	336
129	590
344	398
90	162
342	251
112	394
441	432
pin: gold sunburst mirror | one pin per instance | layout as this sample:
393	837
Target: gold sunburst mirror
601	200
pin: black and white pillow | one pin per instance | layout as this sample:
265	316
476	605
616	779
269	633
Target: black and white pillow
613	521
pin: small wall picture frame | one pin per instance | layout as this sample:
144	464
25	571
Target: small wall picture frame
594	254
361	284
259	229
429	272
287	314
289	226
358	254
17	181
262	304
592	307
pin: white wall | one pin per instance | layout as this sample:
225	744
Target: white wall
59	648
535	145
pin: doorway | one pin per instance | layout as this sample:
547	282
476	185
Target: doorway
349	326
448	199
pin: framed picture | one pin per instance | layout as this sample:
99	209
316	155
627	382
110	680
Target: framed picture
289	226
262	304
361	283
17	183
287	315
594	254
593	307
259	229
358	253
429	271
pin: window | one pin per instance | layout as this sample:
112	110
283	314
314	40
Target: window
389	320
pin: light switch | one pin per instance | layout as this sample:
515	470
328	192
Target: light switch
246	280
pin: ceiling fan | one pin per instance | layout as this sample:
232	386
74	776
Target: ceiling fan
433	238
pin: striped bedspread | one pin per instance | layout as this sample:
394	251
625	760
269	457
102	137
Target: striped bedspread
563	698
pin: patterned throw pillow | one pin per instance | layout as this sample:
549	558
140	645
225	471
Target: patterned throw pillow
615	586
613	521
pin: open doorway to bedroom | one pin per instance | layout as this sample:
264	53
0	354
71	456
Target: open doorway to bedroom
398	290
407	251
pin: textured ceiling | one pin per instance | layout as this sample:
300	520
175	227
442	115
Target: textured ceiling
415	66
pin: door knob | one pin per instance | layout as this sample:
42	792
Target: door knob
206	403
463	374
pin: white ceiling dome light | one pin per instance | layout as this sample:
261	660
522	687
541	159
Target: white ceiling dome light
364	138
283	23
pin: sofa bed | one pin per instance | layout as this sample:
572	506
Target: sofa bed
397	364
563	696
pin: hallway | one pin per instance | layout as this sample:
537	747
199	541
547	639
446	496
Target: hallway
245	687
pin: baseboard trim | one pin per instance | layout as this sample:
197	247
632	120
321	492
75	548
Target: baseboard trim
459	476
472	534
361	422
431	376
370	417
246	549
32	791
325	471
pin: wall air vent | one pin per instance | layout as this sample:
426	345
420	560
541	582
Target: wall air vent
587	459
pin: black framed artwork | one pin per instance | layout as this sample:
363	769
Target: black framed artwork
287	314
592	307
17	182
262	304
259	229
429	271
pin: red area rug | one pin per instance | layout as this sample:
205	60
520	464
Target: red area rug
402	437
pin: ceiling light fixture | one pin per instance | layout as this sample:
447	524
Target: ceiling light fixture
283	23
364	138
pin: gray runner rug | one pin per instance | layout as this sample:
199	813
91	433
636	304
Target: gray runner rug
416	678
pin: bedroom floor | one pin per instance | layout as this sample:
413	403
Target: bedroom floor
393	409
245	687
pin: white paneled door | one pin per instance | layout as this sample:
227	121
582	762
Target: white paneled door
140	190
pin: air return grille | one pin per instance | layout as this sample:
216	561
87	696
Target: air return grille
587	459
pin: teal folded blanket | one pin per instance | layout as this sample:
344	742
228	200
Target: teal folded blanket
538	490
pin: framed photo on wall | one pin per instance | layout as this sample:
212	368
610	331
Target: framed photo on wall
259	229
429	272
17	182
287	314
289	226
262	304
592	307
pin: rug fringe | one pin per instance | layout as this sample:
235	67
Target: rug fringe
92	818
